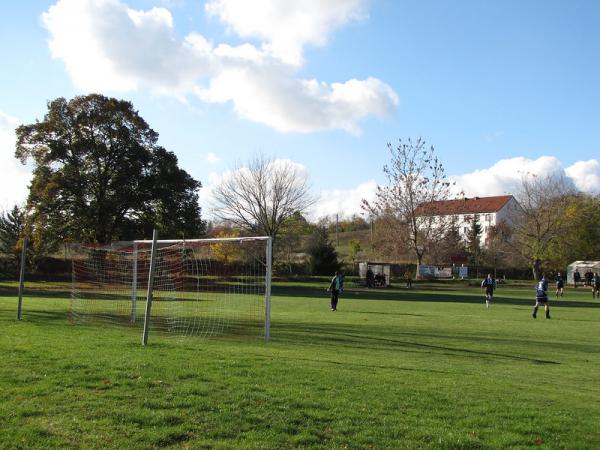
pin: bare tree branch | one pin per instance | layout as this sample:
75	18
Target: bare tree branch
261	196
541	220
416	180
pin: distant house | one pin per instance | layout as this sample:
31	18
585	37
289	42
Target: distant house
490	211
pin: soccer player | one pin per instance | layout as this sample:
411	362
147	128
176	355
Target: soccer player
335	287
489	284
596	286
541	297
560	285
589	275
576	277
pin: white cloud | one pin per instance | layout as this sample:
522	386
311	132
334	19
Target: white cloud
15	178
266	95
212	158
286	26
585	175
107	46
345	202
504	177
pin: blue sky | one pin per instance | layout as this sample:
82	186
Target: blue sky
496	87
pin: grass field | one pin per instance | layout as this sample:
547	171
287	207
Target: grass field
428	368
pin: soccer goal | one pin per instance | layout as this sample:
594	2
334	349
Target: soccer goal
197	287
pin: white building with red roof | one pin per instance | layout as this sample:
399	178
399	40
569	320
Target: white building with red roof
490	210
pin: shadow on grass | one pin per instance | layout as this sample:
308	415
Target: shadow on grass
356	337
439	296
36	292
44	317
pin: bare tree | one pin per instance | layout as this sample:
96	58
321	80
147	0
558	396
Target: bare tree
541	221
407	205
499	248
261	196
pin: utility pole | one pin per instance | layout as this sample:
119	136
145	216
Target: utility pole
337	234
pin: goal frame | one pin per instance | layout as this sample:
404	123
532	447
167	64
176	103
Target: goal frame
155	242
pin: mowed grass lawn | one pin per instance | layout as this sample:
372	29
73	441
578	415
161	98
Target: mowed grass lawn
428	368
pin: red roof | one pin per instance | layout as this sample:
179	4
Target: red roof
475	205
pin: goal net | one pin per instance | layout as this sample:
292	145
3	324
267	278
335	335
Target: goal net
200	287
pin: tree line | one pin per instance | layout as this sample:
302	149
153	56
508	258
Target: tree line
99	175
554	225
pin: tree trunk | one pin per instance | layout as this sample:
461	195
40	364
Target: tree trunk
419	261
537	267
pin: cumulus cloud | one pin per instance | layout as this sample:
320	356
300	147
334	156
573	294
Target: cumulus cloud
285	27
107	46
15	177
504	177
585	175
266	95
344	202
212	158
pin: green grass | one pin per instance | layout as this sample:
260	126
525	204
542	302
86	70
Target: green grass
428	368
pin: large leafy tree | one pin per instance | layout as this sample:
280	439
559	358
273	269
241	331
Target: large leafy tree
99	175
580	239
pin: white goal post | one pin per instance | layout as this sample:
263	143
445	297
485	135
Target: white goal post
201	287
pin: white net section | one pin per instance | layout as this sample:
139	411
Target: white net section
201	287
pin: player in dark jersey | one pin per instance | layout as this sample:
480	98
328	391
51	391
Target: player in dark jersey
336	287
541	297
596	286
589	275
576	277
560	285
489	284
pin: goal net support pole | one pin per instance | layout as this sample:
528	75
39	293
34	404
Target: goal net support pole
134	280
268	289
150	288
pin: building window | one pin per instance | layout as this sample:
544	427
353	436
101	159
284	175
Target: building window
488	217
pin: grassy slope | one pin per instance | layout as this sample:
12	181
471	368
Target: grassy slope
394	368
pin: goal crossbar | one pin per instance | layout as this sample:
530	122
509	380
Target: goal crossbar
183	241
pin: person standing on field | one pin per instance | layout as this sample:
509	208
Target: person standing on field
576	277
335	287
589	275
560	285
541	297
489	284
596	286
